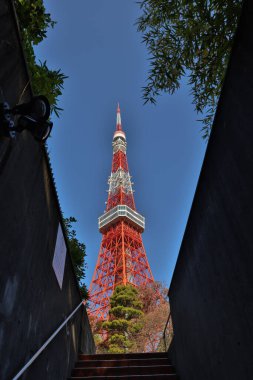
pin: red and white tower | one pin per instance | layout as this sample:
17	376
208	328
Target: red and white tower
122	258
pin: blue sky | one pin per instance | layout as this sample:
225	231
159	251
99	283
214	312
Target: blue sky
96	44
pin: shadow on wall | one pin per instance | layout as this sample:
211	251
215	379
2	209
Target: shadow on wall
32	302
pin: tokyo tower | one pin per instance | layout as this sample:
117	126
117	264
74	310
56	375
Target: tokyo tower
122	258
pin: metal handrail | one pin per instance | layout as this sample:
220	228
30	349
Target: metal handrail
164	331
46	344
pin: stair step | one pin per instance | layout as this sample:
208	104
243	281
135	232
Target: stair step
128	377
145	355
133	366
122	362
119	371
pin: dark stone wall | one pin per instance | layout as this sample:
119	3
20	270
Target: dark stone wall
32	305
211	293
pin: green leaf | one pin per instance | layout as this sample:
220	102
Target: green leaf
192	39
34	22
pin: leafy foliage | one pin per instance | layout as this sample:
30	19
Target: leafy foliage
136	320
152	296
156	312
77	251
188	38
34	22
125	320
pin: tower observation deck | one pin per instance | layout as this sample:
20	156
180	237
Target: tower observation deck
122	258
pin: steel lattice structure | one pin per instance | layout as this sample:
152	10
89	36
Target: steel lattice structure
122	258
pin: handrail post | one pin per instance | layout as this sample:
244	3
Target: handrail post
164	331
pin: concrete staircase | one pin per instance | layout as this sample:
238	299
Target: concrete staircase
143	366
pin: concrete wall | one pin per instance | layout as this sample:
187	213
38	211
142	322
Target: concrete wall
211	293
32	305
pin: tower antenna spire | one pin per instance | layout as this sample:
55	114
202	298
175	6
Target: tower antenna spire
118	119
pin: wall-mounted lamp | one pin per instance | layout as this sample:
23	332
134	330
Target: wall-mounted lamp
32	116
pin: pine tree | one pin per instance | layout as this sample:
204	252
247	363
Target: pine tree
125	320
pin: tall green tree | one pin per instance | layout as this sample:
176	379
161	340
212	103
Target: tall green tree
125	320
78	254
188	38
34	22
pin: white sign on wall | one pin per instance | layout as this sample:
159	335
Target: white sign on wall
59	256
